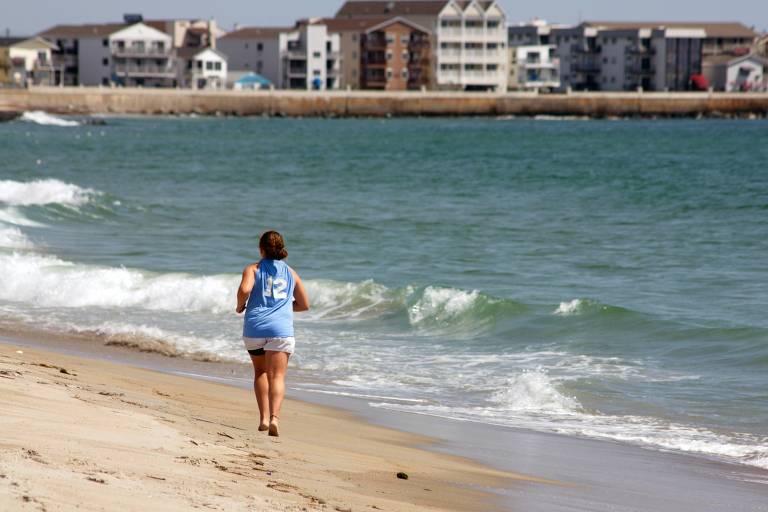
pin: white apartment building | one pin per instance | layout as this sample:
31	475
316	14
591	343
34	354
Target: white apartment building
533	68
306	56
469	38
115	53
201	68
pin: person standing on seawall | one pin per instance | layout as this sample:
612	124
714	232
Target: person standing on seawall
269	294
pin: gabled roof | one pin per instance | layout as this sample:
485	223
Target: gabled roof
190	53
398	19
256	32
367	8
712	29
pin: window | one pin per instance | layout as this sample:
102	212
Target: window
389	73
316	72
404	55
105	61
199	64
189	64
209	65
105	81
404	39
390	38
354	55
259	47
404	74
258	66
105	42
316	55
389	55
354	37
217	66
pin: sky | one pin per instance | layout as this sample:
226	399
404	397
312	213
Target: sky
31	16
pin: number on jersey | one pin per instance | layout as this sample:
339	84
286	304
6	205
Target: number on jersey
276	288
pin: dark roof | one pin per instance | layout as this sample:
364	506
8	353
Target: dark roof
368	8
9	41
726	29
352	25
256	32
92	30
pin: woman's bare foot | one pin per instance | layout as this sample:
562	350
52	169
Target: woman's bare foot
263	427
273	429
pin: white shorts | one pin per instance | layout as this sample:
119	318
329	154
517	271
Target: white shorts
257	346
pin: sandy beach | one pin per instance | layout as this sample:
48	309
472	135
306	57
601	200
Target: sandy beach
85	434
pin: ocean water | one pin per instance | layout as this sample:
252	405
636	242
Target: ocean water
604	279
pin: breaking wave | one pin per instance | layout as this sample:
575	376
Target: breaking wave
44	118
42	192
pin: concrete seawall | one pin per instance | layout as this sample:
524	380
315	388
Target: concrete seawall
95	100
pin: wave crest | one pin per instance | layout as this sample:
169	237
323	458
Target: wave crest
46	119
42	192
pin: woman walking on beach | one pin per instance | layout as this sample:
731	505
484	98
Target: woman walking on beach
269	293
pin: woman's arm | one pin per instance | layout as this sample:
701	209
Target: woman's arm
246	285
300	297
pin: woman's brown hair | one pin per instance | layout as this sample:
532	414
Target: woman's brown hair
273	245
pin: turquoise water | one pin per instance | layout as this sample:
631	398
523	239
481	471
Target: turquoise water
594	278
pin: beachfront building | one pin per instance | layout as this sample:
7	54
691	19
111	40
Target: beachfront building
201	68
136	52
26	61
305	56
114	53
351	33
533	68
737	73
468	38
396	56
621	56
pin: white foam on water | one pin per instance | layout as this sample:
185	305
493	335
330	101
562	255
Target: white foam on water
44	118
534	392
573	307
42	192
43	280
334	300
438	304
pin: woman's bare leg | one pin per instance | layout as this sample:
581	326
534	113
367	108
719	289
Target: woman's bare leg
276	365
261	389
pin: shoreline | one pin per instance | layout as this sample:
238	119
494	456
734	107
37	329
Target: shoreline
591	473
284	103
73	424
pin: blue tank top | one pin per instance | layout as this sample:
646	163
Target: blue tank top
269	311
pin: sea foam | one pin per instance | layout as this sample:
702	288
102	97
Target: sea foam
42	192
44	118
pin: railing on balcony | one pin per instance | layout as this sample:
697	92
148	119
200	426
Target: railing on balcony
586	48
639	69
586	67
140	51
134	69
295	55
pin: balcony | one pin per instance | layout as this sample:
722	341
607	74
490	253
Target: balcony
133	51
586	67
144	70
295	55
640	50
586	49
